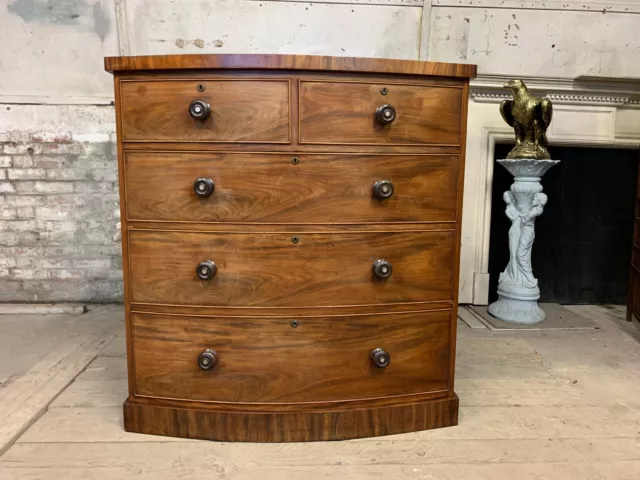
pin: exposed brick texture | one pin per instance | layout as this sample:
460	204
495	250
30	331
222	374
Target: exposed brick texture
59	218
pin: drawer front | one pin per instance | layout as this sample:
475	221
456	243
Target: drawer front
262	360
290	269
240	111
272	188
345	113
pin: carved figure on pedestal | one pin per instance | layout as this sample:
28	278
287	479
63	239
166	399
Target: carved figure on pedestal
530	117
519	271
526	240
510	273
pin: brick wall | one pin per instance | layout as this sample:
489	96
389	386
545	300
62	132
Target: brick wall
59	206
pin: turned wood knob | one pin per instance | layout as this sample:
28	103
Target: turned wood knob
207	359
382	269
380	357
206	270
385	114
204	187
199	109
383	189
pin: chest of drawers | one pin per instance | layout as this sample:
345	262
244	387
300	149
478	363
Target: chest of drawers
290	232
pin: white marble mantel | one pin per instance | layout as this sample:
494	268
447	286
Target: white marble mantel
588	111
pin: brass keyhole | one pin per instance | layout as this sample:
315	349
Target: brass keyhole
201	87
294	323
295	239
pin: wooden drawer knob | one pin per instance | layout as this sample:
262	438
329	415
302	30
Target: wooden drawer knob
380	357
204	187
383	189
382	269
385	114
199	109
207	359
206	270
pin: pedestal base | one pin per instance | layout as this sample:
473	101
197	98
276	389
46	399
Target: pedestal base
289	426
526	312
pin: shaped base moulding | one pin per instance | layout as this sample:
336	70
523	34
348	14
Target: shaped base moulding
277	426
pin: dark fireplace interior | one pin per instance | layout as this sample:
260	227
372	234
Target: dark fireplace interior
582	248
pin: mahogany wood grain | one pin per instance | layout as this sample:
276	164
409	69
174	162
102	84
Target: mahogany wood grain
458	241
633	302
269	188
292	148
124	239
344	113
272	270
290	427
293	312
287	62
241	111
246	227
264	107
267	360
633	296
309	407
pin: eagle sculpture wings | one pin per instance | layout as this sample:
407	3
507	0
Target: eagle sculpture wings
530	117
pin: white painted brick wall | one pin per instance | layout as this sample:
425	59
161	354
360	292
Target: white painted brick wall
59	208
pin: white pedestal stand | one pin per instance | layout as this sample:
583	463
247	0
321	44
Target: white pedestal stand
518	291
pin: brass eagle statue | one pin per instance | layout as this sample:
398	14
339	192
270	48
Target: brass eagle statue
530	117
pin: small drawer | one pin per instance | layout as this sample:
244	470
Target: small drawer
290	269
291	360
261	188
205	111
342	113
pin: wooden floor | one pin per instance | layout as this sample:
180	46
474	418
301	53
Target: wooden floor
533	406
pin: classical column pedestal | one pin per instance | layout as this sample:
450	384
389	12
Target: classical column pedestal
518	291
517	305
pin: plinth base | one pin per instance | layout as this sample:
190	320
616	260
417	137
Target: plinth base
526	312
289	426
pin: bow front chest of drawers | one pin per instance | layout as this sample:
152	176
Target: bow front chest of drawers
290	231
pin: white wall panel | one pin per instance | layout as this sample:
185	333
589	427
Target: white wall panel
537	42
53	50
240	26
621	6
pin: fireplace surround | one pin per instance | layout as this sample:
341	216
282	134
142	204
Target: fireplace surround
588	111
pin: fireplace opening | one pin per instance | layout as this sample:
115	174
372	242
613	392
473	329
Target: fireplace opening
582	249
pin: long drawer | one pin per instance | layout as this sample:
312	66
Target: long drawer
275	188
234	111
268	360
291	269
378	114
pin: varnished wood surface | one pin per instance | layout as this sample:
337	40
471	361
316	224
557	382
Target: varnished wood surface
269	188
458	241
290	427
267	360
287	62
633	295
344	113
253	227
271	270
292	149
267	109
124	235
293	312
241	111
633	303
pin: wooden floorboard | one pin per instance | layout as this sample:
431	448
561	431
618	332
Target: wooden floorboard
533	406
